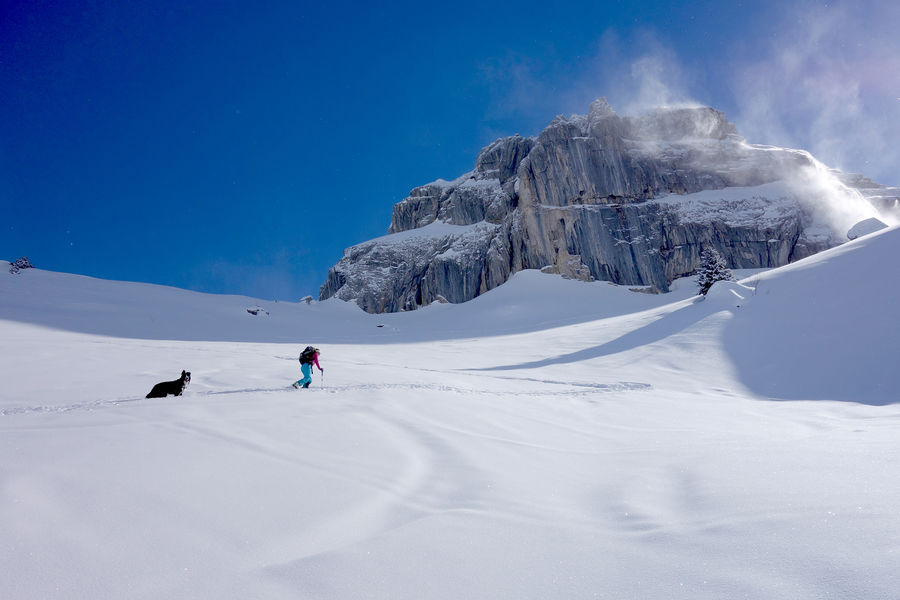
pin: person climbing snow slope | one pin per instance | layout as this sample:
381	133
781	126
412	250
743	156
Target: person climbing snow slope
308	358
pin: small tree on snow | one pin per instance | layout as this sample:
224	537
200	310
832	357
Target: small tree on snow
712	269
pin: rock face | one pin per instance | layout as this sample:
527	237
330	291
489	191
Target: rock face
632	200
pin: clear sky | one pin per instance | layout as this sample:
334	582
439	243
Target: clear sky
239	147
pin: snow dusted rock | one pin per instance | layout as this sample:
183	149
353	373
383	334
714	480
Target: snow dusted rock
632	200
501	159
413	268
865	227
486	194
20	263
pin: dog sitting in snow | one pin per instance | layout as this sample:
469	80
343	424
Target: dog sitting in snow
163	389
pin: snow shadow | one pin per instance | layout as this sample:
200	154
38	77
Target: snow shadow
831	349
663	327
823	328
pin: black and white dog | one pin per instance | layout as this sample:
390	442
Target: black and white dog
163	389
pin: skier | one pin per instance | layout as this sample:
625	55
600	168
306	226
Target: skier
308	358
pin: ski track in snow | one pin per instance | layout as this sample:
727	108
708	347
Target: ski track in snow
588	389
436	479
95	405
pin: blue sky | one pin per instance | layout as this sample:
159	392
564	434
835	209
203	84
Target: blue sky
238	147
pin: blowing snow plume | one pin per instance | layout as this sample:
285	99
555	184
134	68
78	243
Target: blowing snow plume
827	81
833	206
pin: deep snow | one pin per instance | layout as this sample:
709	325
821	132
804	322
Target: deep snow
550	439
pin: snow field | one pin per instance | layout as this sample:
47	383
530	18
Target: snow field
662	452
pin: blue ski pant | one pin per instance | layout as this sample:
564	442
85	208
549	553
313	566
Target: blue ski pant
306	369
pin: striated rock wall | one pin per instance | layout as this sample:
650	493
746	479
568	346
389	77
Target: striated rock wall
632	200
415	268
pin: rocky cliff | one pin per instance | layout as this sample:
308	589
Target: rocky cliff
632	200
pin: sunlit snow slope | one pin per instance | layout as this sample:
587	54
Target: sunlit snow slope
550	439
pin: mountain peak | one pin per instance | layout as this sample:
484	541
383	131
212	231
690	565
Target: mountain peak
633	200
600	109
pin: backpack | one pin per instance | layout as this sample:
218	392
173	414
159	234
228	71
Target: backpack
307	355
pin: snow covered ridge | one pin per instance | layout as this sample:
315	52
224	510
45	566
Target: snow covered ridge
123	309
631	200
